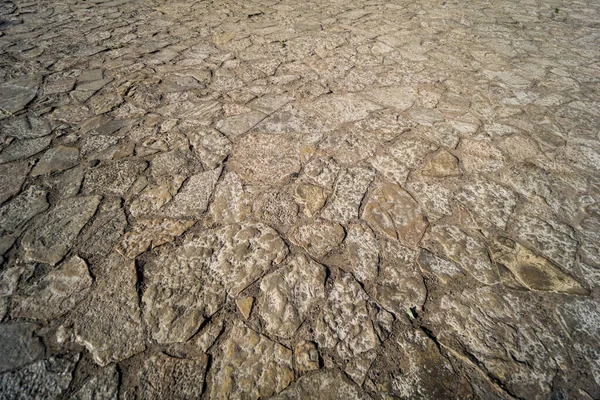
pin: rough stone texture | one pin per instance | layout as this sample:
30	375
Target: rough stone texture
391	211
56	159
108	321
57	293
188	283
288	295
165	376
399	198
252	366
45	379
19	345
12	177
51	235
326	384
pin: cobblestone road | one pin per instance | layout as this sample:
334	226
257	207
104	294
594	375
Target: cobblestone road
300	199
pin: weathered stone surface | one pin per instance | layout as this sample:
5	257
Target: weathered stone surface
306	356
113	178
51	235
276	207
12	177
20	149
251	366
391	211
165	376
480	156
151	233
186	284
326	384
17	93
26	127
312	197
56	159
400	98
318	238
348	192
107	322
363	251
411	152
45	379
57	293
103	385
192	199
345	325
442	164
19	345
533	271
16	213
232	203
445	270
289	294
264	158
492	204
102	234
554	241
467	250
237	125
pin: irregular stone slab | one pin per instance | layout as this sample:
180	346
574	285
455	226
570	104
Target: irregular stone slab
306	356
532	271
441	165
344	324
312	197
15	94
363	252
491	204
321	171
348	192
163	376
192	199
56	159
270	103
237	125
18	345
467	250
318	238
480	156
45	379
12	177
290	120
232	203
420	371
151	233
522	330
52	235
250	366
169	163
107	322
400	98
106	229
433	197
391	211
56	293
26	127
337	109
21	149
224	260
288	295
151	200
553	241
390	168
276	207
268	159
113	178
326	384
411	151
445	270
426	116
16	213
103	385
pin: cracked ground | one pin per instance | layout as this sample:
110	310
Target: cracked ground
329	199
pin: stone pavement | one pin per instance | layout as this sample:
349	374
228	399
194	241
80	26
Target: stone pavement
284	199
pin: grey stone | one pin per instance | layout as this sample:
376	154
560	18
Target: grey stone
19	345
325	384
26	127
349	190
51	235
20	149
15	94
102	386
17	212
113	178
56	159
45	379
